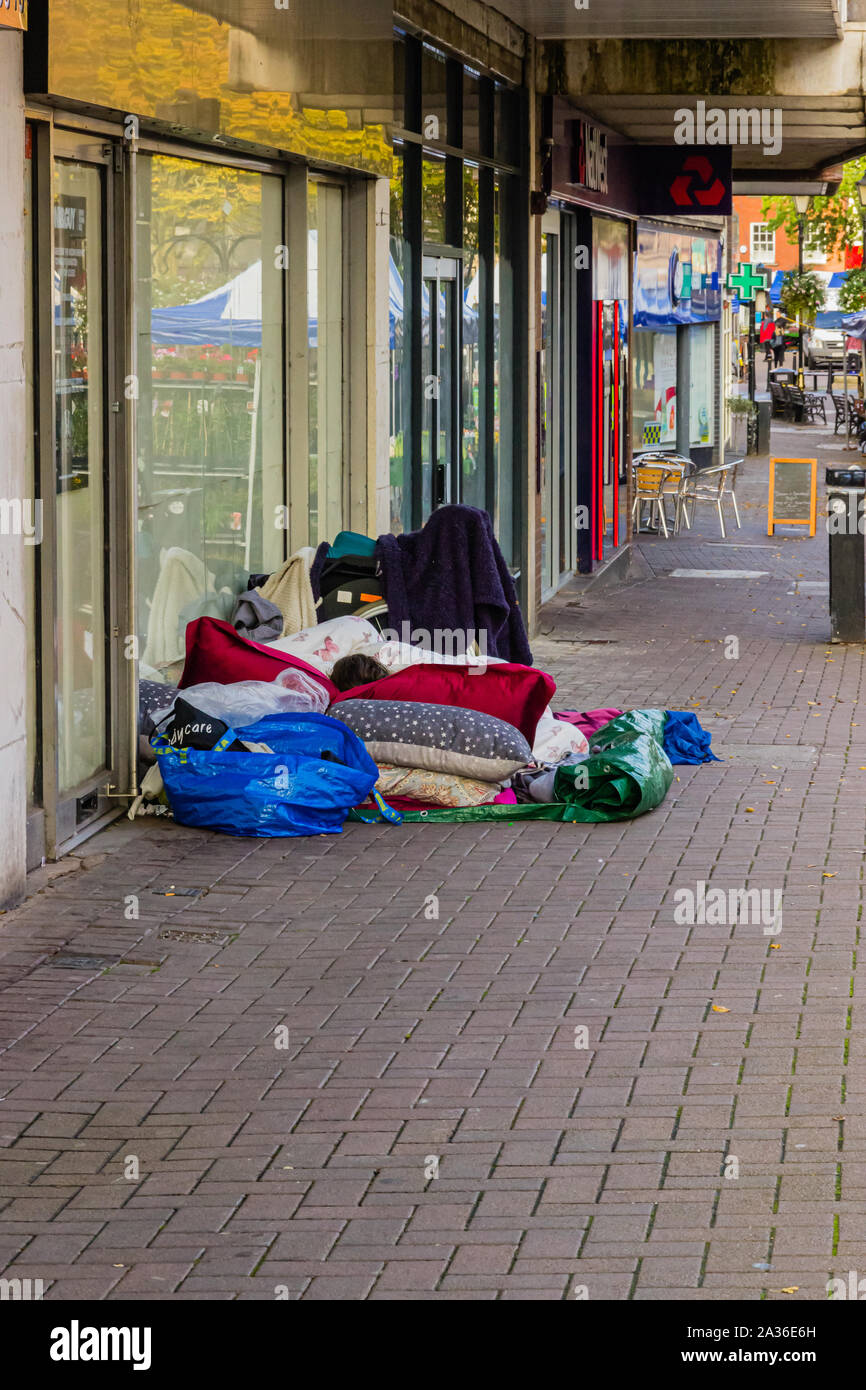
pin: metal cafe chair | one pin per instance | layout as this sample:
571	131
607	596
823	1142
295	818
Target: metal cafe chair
649	491
714	485
679	469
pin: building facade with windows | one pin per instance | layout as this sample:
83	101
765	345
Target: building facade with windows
273	285
457	272
206	199
752	239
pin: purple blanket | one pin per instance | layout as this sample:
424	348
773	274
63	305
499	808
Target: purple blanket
452	575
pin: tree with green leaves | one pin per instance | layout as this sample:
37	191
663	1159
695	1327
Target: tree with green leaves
831	224
852	295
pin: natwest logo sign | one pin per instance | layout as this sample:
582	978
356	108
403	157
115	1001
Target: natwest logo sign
13	14
697	185
685	183
589	162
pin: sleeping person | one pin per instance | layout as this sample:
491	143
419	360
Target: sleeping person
351	671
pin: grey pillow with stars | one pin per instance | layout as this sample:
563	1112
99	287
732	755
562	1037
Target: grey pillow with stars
440	738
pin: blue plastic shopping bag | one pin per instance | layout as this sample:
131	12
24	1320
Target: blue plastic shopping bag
318	770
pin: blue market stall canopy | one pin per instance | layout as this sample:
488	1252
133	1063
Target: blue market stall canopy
232	314
677	278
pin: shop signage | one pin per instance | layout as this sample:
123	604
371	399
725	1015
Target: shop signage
685	183
678	277
746	282
589	157
793	494
13	14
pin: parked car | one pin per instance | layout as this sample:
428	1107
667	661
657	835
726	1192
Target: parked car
824	347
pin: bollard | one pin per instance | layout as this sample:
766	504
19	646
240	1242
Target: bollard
846	490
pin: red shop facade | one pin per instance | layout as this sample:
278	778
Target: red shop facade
597	186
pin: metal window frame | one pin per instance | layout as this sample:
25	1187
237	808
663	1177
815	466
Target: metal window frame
63	827
55	131
514	246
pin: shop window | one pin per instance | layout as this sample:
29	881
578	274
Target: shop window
211	494
79	349
434	86
505	423
325	357
507	125
474	479
400	399
433	199
654	411
702	344
472	113
455	247
31	550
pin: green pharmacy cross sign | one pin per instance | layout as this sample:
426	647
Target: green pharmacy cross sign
746	282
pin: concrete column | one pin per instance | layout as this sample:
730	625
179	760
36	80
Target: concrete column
14	619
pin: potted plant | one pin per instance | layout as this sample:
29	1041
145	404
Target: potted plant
744	416
802	296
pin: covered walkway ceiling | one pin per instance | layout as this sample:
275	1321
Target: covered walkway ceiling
808	91
816	133
681	19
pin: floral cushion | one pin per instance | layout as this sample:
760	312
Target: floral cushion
555	740
434	788
323	645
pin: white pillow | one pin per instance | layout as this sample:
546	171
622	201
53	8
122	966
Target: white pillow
398	656
323	645
555	739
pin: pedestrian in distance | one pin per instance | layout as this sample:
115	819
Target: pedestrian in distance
778	339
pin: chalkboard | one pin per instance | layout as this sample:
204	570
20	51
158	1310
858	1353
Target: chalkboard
793	494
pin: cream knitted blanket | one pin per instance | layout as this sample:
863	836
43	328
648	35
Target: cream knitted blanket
290	589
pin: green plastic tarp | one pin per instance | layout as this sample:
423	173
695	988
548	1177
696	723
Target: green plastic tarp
627	774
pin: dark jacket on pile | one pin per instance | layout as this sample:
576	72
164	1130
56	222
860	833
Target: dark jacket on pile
452	575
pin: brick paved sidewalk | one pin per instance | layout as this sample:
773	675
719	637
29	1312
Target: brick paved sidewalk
159	1141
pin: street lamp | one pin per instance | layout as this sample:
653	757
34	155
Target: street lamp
801	203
